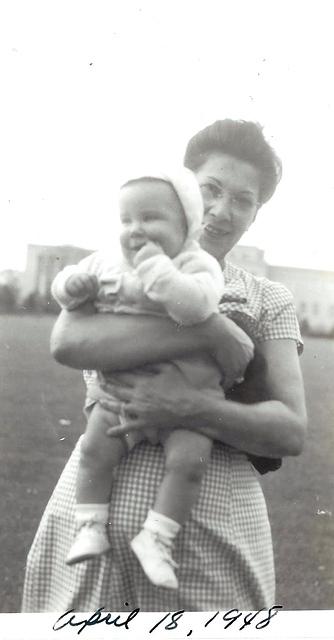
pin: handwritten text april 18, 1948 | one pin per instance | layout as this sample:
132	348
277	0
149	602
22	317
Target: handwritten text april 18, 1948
171	619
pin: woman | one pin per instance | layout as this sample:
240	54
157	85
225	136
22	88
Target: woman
225	549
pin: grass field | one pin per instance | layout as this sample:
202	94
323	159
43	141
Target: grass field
41	420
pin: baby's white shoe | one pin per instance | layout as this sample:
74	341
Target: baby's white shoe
154	553
91	541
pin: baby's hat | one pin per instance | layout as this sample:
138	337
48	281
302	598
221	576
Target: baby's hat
186	186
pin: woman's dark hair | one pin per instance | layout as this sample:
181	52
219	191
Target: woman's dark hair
240	139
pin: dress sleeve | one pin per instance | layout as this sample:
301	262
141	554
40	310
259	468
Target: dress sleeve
278	317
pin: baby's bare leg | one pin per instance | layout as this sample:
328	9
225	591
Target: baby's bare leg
187	455
99	456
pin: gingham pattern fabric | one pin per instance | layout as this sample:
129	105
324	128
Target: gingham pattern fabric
224	550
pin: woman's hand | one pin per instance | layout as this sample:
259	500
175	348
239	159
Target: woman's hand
160	399
273	427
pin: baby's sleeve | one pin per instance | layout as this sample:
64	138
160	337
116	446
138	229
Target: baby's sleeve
91	265
189	289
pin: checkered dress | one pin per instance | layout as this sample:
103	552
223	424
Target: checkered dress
224	550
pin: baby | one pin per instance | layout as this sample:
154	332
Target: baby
163	271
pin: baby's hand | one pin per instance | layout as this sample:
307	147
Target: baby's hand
149	250
82	285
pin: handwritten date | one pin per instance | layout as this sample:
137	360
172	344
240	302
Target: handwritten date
171	619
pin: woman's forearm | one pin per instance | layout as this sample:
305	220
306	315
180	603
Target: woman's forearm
267	428
84	340
274	427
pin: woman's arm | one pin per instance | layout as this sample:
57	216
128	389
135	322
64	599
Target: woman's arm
83	339
275	427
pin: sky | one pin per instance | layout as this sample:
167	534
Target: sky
91	88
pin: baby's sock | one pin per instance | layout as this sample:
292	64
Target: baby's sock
153	547
91	538
164	526
92	513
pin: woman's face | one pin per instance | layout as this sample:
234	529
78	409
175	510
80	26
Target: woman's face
230	190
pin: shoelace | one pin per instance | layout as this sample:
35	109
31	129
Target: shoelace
166	549
92	523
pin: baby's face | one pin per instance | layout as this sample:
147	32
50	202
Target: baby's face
151	212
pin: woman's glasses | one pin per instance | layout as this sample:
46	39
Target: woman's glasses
240	203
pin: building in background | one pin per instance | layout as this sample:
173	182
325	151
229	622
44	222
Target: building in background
249	258
313	293
43	264
313	290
